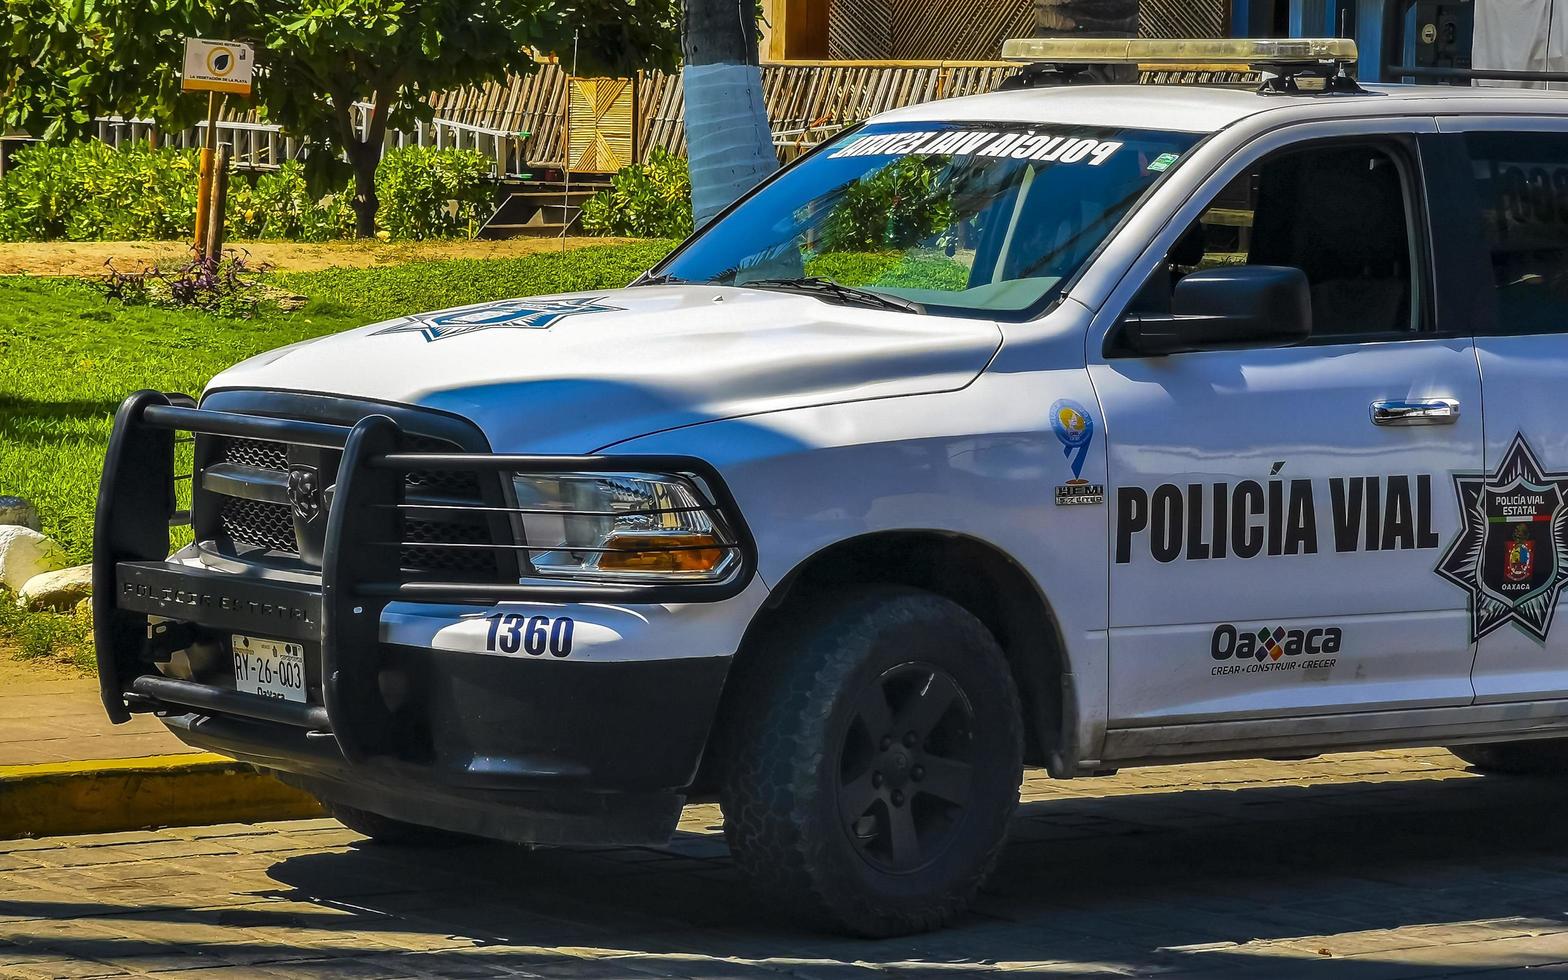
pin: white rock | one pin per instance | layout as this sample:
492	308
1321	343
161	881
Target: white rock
18	510
25	553
59	591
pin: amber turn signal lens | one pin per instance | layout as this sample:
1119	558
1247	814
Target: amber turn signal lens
654	552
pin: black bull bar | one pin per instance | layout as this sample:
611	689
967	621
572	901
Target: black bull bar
360	573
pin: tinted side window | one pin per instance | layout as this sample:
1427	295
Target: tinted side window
1338	212
1522	184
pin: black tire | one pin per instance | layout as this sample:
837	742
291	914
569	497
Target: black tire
389	832
859	830
1544	757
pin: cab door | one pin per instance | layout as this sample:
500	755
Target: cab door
1277	511
1508	559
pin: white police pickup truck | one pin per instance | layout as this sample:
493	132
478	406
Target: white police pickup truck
1077	426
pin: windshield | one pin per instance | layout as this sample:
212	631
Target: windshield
976	220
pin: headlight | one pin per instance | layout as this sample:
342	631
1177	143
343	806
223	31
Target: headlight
622	526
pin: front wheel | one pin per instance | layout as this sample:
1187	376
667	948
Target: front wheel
874	762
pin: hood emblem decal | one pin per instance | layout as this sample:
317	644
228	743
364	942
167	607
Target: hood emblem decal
514	314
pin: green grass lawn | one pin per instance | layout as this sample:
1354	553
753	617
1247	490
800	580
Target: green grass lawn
68	356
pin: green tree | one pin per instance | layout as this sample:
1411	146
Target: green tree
62	62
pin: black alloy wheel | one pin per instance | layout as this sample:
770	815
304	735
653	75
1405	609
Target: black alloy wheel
905	769
872	752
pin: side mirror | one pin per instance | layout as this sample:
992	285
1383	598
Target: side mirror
1238	306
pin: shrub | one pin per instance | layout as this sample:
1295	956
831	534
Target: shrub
282	206
89	191
900	205
65	637
428	193
645	200
229	287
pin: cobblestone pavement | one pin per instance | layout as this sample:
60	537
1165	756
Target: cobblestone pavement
1375	865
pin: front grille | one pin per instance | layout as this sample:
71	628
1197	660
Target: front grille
258	453
445	483
256	523
463	561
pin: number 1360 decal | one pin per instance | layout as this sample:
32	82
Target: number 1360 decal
533	635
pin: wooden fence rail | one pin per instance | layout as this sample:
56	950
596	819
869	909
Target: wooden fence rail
807	101
521	123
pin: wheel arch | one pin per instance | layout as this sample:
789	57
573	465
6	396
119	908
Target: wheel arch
974	573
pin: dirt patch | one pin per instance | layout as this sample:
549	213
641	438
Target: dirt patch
16	670
88	258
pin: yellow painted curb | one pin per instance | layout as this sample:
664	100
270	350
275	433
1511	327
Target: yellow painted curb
107	795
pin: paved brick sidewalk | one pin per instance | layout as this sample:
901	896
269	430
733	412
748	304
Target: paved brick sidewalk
1378	865
65	769
54	718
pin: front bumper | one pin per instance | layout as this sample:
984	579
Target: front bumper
407	721
549	753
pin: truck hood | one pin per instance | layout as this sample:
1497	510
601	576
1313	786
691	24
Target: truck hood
576	372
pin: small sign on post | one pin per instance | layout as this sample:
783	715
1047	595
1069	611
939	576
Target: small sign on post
214	67
217	66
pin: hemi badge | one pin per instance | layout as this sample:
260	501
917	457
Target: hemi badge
1069	494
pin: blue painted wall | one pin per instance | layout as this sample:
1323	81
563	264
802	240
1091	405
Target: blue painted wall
1322	18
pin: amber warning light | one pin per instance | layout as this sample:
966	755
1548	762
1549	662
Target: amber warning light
1176	51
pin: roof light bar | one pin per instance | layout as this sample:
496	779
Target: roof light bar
1163	51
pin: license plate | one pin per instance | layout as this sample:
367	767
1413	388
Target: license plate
269	668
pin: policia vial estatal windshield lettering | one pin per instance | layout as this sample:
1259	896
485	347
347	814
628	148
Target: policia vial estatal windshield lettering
1029	145
1510	554
1252	518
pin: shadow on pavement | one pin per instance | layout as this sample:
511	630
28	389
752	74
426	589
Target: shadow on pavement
1154	882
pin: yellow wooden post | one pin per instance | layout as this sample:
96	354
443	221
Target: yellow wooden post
204	178
215	209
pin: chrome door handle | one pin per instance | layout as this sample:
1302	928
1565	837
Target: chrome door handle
1421	411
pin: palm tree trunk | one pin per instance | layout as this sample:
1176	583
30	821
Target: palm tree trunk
729	144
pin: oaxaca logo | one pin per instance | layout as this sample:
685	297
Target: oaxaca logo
1511	548
1260	648
518	314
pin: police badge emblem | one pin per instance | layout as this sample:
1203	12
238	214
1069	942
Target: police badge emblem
516	314
1512	551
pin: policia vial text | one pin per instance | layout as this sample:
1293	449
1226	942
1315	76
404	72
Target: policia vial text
1276	517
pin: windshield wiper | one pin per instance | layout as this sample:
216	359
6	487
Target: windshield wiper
661	280
837	292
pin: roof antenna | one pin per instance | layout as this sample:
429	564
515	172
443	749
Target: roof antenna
566	174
